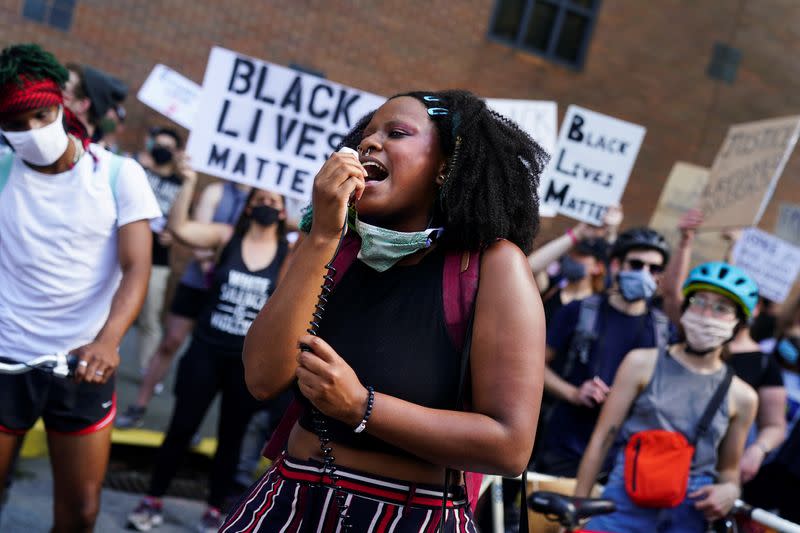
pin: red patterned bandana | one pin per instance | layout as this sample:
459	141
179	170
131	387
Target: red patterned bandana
16	96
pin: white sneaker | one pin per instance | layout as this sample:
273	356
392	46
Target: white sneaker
146	516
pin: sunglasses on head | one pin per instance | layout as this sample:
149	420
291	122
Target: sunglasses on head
638	264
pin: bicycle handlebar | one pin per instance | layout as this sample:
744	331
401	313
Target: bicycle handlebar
62	365
765	518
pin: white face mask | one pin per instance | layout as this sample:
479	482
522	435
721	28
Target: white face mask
705	333
42	146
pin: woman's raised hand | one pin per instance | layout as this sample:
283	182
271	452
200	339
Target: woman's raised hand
339	179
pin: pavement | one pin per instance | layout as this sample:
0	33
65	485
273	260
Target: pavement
29	506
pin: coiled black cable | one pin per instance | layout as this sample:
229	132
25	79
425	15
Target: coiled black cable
318	419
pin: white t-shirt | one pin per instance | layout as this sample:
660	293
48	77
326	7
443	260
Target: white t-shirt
59	267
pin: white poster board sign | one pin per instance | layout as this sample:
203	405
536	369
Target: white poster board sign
590	166
788	227
171	94
538	118
772	262
270	126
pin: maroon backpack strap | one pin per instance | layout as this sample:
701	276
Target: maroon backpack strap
280	437
460	285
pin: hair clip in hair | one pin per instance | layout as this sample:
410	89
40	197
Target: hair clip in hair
437	111
431	98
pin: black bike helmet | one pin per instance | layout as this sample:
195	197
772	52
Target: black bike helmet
638	239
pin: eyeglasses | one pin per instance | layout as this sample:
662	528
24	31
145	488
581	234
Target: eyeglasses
720	309
638	264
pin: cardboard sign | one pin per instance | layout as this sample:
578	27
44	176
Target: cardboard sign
270	126
538	118
591	164
682	191
772	262
171	94
746	171
788	227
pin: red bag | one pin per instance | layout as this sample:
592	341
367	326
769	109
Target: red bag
657	464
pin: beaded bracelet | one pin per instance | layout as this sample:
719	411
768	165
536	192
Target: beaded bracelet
370	401
572	237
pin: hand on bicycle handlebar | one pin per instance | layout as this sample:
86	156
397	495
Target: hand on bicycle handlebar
715	501
97	361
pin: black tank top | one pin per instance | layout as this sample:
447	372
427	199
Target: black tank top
238	294
390	329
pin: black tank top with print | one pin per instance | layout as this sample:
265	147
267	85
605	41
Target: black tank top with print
237	295
390	328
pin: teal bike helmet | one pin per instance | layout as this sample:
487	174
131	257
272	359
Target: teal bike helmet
727	280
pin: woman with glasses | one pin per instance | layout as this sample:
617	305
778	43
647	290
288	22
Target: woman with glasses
673	391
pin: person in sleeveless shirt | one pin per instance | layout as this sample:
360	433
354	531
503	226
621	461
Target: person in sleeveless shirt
437	172
670	391
252	259
219	202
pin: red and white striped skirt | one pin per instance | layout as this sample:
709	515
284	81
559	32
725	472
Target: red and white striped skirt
295	496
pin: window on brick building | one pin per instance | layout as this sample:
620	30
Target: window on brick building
55	13
559	30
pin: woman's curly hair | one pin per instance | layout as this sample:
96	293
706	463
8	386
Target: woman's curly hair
491	175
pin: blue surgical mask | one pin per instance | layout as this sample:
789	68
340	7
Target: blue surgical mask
636	285
789	350
572	270
381	248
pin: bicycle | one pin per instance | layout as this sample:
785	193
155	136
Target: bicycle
60	365
569	511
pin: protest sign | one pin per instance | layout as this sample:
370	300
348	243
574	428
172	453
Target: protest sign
746	171
590	166
772	262
788	227
270	126
538	118
171	94
682	191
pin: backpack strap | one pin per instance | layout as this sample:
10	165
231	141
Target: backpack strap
115	163
660	329
585	333
459	289
713	405
5	168
348	252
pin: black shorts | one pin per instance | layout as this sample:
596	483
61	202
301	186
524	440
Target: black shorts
188	301
65	406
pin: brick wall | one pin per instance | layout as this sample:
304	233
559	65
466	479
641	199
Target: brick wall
646	62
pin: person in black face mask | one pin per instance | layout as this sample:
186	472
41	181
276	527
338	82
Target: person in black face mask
584	270
164	169
252	259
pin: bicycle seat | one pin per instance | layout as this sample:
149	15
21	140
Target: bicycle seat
567	509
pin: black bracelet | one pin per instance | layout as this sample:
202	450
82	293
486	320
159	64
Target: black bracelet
370	402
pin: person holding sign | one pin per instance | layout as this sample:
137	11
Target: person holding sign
387	421
682	415
251	261
588	339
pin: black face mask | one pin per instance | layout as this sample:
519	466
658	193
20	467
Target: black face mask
571	269
265	215
161	155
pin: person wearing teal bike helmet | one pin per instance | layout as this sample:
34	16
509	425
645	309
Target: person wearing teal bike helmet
671	390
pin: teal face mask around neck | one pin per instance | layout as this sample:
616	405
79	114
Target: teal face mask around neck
382	248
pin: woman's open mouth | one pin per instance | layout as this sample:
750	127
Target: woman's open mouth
375	170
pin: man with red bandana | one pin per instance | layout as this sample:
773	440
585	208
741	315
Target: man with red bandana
74	264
